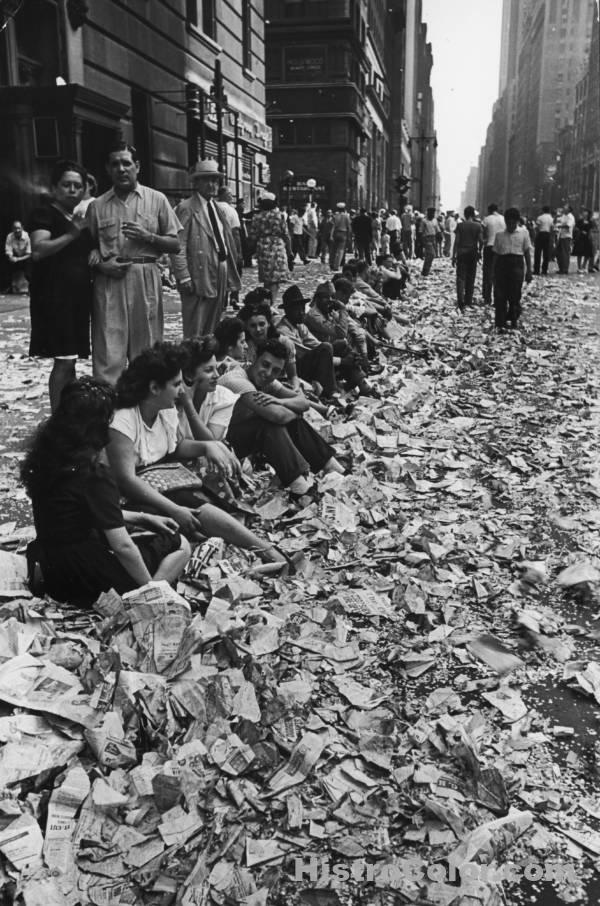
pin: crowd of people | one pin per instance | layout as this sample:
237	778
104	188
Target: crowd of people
152	453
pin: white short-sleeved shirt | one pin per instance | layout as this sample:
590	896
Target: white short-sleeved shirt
516	243
230	214
150	444
215	413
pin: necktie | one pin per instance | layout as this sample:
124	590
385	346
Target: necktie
212	216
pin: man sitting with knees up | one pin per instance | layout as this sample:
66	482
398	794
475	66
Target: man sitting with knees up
267	419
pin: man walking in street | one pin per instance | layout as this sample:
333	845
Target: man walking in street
132	226
467	252
543	234
492	224
429	233
564	244
206	266
406	228
362	227
393	226
341	235
512	248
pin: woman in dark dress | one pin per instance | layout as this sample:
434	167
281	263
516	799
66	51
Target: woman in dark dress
82	543
61	290
582	247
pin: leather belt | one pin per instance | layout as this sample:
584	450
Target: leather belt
141	259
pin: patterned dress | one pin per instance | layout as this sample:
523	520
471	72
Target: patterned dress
269	230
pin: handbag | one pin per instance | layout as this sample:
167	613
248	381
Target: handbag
169	476
175	481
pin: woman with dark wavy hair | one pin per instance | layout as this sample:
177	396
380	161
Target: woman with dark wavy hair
61	289
144	432
82	543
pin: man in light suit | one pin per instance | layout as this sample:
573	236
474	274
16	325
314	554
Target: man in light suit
205	267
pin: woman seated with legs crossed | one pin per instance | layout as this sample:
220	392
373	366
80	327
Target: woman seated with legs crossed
82	543
145	432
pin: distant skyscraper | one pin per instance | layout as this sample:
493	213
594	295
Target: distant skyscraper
544	52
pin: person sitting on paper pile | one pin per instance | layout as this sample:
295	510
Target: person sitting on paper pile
145	432
82	543
204	406
267	419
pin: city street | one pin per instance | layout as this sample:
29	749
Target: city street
441	640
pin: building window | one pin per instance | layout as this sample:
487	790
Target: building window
247	34
303	132
201	13
209	24
191	12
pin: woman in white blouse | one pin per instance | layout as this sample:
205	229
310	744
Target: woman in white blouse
145	431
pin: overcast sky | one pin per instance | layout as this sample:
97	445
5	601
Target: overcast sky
465	38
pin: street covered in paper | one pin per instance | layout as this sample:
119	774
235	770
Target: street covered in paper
411	717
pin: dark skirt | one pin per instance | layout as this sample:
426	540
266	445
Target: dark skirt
79	573
60	319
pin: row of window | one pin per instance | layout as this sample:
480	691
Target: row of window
202	15
314	63
311	132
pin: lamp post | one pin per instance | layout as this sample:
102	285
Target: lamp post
311	185
287	179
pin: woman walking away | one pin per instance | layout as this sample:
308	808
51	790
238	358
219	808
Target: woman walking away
582	247
61	291
82	544
273	249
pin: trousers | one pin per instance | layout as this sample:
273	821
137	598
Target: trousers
508	283
487	276
201	314
317	365
466	269
563	254
127	317
292	450
429	250
338	251
541	253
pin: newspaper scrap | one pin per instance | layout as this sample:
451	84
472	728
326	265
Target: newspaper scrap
13	576
365	602
303	758
508	701
22	842
357	695
33	684
60	826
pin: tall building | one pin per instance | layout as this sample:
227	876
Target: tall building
347	92
74	76
577	179
545	48
469	196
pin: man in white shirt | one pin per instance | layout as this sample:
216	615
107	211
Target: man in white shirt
512	249
492	224
296	228
564	244
394	225
543	234
18	251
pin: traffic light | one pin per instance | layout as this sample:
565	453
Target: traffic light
401	184
192	100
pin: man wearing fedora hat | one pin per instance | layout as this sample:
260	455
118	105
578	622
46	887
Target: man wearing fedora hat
205	268
314	360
